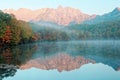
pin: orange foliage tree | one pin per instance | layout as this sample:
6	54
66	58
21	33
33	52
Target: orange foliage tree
7	36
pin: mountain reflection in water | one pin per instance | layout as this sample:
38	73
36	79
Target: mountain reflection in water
60	62
63	56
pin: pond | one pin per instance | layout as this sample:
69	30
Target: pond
71	60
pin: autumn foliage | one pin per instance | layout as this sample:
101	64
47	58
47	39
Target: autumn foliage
7	36
13	31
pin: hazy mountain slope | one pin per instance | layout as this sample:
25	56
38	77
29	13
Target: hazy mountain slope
111	16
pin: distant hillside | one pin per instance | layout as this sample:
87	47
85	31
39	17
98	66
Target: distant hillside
102	30
99	31
111	16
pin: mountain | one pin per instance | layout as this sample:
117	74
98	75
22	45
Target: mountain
111	16
61	15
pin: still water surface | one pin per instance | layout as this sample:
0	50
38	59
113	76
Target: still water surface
72	60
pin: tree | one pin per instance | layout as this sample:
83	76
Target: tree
7	35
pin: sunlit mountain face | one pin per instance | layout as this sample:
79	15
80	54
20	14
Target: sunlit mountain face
61	15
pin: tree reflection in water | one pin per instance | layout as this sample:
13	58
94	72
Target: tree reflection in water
12	58
7	70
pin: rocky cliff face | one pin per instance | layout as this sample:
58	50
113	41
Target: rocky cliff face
61	15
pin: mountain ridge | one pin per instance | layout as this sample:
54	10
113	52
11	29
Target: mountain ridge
60	15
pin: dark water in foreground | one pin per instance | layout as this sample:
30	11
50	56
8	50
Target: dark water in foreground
73	60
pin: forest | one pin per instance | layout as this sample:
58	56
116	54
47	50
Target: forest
103	30
13	31
100	31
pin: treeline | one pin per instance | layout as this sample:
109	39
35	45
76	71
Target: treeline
104	30
52	34
13	31
44	33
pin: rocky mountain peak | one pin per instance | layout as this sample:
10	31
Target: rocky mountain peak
61	15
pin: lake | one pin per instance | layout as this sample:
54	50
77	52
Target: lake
71	60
